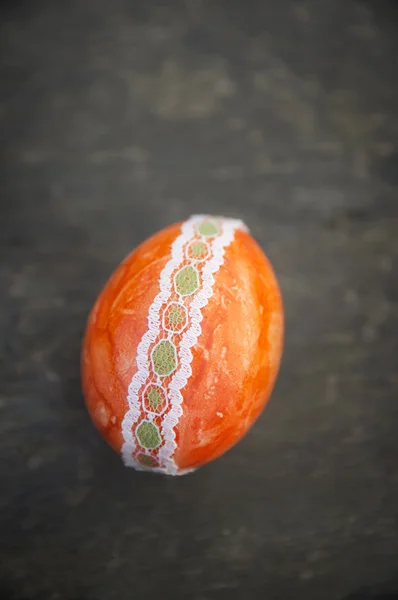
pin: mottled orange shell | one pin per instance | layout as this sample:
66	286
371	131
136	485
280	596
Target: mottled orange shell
235	361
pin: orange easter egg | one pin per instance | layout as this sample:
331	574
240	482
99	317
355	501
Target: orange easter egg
183	345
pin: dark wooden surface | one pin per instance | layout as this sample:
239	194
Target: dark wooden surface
119	118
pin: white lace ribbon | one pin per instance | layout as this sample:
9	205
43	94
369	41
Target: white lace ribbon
162	457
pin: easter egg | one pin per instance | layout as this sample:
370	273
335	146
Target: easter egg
183	345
